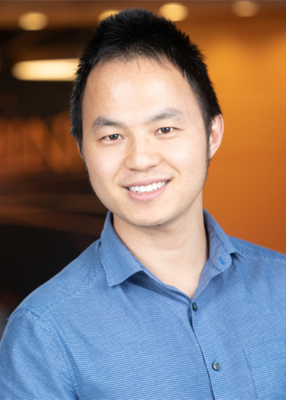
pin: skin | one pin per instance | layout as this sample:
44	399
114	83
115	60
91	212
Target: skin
142	125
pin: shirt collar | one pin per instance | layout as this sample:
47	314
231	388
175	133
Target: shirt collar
220	245
119	263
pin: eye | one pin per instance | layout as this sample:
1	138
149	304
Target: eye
113	137
165	130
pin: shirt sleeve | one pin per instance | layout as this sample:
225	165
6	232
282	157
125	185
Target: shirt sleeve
32	366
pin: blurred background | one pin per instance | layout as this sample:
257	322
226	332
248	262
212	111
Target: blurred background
48	214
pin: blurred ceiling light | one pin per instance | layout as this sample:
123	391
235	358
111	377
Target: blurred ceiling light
106	14
33	21
245	8
174	11
46	70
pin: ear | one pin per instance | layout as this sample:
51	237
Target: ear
216	135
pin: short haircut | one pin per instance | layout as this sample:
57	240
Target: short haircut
137	33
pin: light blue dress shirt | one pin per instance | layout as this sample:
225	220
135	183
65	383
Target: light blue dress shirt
105	328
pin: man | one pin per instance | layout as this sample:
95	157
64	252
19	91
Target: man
165	306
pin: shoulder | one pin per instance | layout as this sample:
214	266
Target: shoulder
72	282
251	250
35	341
262	271
259	264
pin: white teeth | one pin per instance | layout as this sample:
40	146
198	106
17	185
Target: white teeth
147	188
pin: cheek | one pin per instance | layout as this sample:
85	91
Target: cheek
189	156
102	168
95	167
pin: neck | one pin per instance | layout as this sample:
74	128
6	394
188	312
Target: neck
175	253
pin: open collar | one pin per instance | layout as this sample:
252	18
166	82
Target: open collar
119	263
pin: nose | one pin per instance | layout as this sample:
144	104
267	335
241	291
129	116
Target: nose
141	154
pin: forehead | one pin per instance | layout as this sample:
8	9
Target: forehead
140	85
114	71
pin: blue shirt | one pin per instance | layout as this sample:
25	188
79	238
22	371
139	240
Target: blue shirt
105	328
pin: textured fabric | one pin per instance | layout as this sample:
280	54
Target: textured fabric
104	328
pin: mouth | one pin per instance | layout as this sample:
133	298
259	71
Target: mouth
148	188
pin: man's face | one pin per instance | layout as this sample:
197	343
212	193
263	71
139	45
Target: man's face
144	142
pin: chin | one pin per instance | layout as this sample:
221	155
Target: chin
148	222
146	219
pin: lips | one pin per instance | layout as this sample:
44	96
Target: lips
147	188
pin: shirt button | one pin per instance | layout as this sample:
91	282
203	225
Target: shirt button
195	307
216	366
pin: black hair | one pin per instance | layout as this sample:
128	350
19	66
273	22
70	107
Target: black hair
136	33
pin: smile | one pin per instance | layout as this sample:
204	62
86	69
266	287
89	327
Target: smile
148	188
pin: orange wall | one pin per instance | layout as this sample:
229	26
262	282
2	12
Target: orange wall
246	190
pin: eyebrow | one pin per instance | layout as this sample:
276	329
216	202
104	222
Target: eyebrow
102	122
165	114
